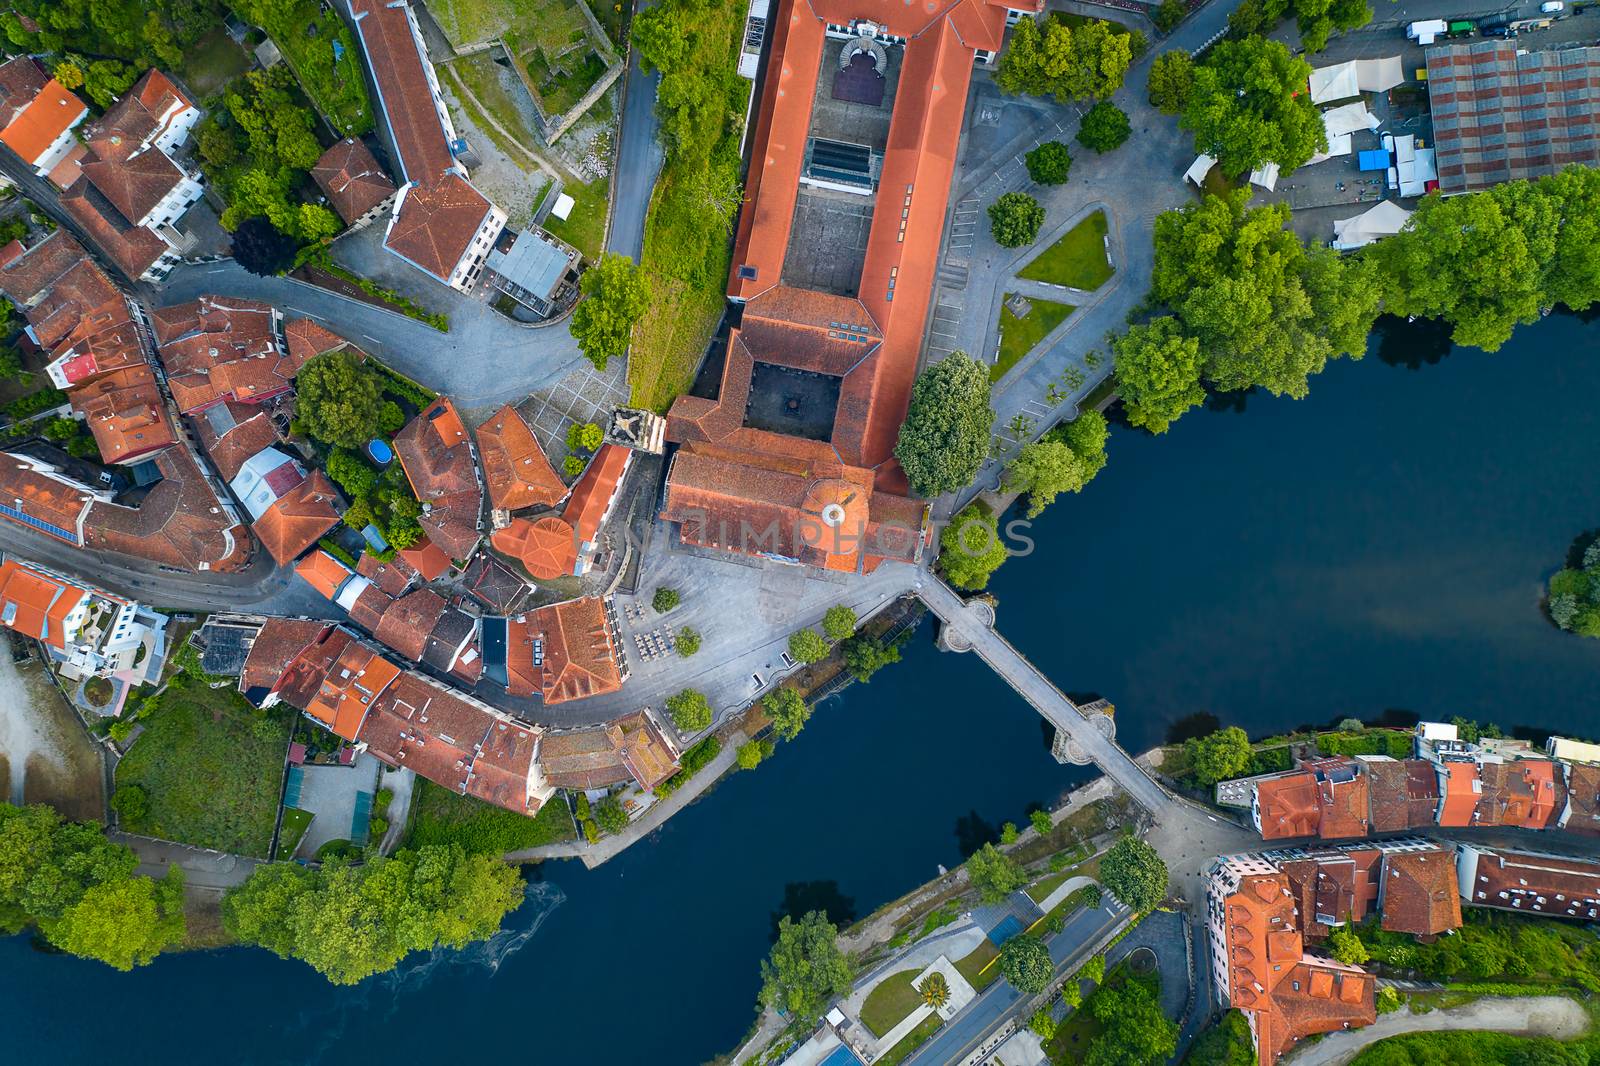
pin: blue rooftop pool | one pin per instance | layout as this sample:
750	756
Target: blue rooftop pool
380	452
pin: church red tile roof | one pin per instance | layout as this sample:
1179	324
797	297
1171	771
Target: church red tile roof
546	547
126	413
437	456
299	518
515	469
351	179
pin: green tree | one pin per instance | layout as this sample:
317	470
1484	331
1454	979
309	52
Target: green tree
805	969
610	815
1249	106
1014	219
1317	19
124	923
1573	275
970	548
1008	833
131	802
1040	820
838	622
1135	874
865	656
1042	1024
353	474
994	874
1081	62
338	399
616	296
690	710
664	600
788	711
1105	127
687	642
1025	962
1065	460
935	990
1094	970
584	437
1136	1032
1158	373
808	646
1345	946
1171	79
1228	1043
1049	163
106	79
751	753
69	74
1169	14
1219	756
945	438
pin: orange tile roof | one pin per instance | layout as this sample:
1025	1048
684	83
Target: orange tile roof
279	643
579	657
1582	814
436	224
1341	798
137	118
436	455
323	572
1458	779
299	518
220	348
1536	884
133	248
647	750
52	112
180	522
593	492
407	622
351	179
126	413
426	558
36	604
251	430
305	338
302	679
1420	894
356	679
393	577
1288	806
582	758
515	468
33	494
546	547
366	610
1526	793
404	92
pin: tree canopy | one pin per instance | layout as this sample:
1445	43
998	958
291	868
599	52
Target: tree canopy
1064	460
808	646
615	296
805	969
81	891
261	248
1136	1031
1249	106
1574	602
970	548
787	709
865	656
1081	62
1025	962
1158	373
1014	219
1105	127
690	710
945	438
1049	163
1218	756
838	622
349	922
1315	19
1135	874
1171	81
994	873
339	399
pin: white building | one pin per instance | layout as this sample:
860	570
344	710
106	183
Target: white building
87	632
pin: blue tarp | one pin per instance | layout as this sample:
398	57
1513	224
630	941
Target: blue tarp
1374	159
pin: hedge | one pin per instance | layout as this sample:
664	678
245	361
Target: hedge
694	760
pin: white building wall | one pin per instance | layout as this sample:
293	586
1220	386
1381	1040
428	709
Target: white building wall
470	267
172	206
174	127
58	148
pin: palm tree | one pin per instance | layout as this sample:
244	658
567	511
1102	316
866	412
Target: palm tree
935	990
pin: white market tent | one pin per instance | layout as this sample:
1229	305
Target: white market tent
1343	81
1266	177
1413	167
563	207
1337	146
1199	169
1384	219
1348	119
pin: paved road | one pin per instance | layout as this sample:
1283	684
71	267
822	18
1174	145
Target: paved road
638	157
202	867
1553	1016
1070	949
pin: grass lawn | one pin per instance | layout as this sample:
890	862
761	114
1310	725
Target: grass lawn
972	967
335	86
1018	336
439	816
215	60
669	341
1077	260
887	1005
913	1040
493	97
480	21
295	824
1041	889
585	228
212	767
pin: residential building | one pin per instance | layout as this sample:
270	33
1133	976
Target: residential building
353	182
1284	806
1402	794
126	413
232	433
564	651
594	498
515	471
1417	893
436	453
290	510
1582	811
636	747
223	348
37	115
792	460
1529	882
440	224
87	632
126	185
1502	112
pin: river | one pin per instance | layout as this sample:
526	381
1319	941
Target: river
1380	545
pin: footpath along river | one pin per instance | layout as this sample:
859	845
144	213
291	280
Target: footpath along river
1379	545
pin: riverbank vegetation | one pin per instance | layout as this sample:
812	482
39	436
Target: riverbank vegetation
1064	460
349	922
441	817
805	969
79	890
1575	593
1477	1049
701	104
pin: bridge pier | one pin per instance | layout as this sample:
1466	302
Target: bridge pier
1068	750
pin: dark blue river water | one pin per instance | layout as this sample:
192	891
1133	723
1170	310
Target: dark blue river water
1379	545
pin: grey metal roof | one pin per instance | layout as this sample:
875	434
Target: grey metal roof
533	264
